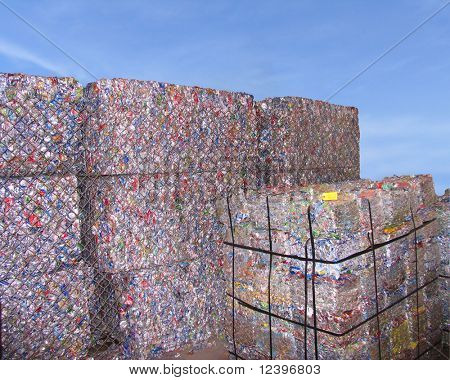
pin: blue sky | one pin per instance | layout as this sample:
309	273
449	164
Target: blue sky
266	48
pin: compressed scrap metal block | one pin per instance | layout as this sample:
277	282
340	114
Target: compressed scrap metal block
341	303
138	222
166	308
421	199
344	289
398	336
46	316
145	220
305	141
144	127
391	208
443	210
40	124
147	229
39	228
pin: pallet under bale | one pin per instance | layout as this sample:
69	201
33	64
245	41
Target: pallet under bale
344	313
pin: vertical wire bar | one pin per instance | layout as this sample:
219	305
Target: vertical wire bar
232	275
305	330
269	280
372	243
417	281
313	275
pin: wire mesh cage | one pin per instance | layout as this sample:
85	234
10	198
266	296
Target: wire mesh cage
104	232
109	237
108	229
324	298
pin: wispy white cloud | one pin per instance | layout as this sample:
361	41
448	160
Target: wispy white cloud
14	51
404	126
404	144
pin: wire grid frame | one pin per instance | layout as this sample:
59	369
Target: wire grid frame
63	293
440	348
48	280
65	290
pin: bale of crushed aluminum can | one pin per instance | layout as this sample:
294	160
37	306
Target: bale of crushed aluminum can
344	288
171	150
46	316
43	290
160	230
305	141
40	125
391	208
144	220
166	308
142	127
39	228
443	210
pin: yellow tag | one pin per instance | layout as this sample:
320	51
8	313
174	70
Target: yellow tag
332	196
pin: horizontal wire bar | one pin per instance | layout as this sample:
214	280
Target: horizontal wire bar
83	174
352	256
236	355
254	308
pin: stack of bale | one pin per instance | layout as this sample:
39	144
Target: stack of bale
304	141
157	156
162	155
111	191
44	284
399	222
110	231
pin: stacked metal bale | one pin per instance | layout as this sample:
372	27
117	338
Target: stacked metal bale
304	141
110	232
338	220
44	285
157	157
163	154
108	195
